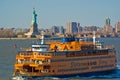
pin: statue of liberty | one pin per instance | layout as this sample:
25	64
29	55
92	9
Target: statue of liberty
34	16
33	26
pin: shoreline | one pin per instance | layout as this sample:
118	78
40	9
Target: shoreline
38	38
19	38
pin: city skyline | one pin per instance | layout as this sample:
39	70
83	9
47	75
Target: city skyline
18	14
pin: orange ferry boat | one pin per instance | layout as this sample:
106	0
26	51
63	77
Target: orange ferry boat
63	58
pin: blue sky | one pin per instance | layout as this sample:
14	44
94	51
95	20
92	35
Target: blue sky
18	13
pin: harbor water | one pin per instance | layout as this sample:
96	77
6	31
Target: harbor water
9	48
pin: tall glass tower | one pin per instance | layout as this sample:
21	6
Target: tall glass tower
107	21
108	28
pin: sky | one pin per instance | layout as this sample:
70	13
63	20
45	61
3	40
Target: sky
18	13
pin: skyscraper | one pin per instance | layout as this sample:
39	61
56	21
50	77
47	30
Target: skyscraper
72	27
55	29
33	26
107	21
107	27
61	30
117	27
58	29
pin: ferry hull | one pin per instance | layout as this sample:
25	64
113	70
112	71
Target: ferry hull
87	74
65	66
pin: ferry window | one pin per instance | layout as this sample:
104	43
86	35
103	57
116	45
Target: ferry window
99	52
53	71
36	48
39	53
54	54
94	52
46	67
71	47
39	70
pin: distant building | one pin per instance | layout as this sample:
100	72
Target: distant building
33	27
1	28
55	29
80	29
107	21
18	30
117	27
107	27
58	29
72	27
90	28
61	30
100	29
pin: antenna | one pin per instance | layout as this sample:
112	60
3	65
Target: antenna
94	37
42	38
